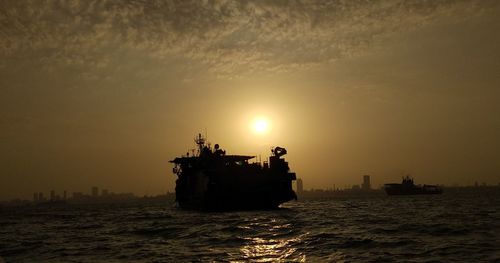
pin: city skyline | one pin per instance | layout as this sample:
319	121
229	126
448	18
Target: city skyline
96	192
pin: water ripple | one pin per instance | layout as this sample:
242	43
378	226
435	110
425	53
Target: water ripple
419	229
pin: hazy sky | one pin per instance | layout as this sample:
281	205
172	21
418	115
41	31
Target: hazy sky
106	92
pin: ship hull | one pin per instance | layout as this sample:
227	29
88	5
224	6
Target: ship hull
250	192
231	203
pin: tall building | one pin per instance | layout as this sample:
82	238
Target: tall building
366	183
95	191
65	195
300	186
52	195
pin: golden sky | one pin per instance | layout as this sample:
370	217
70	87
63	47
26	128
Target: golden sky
106	92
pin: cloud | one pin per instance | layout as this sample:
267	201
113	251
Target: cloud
227	37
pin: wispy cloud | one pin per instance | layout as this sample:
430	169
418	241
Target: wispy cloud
228	37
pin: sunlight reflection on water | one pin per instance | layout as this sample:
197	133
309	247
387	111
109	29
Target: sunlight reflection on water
271	250
271	245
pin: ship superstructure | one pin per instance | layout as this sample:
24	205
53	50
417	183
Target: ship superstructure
210	179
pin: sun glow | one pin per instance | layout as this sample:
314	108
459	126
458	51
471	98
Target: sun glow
261	125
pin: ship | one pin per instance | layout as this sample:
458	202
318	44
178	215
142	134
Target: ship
210	179
408	187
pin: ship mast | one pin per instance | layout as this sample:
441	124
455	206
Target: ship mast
200	141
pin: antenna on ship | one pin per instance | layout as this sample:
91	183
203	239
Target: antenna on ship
200	141
206	139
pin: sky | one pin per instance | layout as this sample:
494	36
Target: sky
104	93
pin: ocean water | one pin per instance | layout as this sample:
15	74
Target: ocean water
446	228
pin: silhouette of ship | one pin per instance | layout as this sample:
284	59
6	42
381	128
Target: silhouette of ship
211	180
408	187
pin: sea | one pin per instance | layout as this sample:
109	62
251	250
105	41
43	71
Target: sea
453	227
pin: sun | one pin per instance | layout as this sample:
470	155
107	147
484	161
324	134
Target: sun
261	125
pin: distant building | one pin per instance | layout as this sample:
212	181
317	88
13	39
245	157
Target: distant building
65	195
366	183
104	192
35	197
52	195
300	186
40	196
77	195
95	191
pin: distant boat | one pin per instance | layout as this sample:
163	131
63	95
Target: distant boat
408	187
212	180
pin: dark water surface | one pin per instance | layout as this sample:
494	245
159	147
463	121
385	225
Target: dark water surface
451	227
